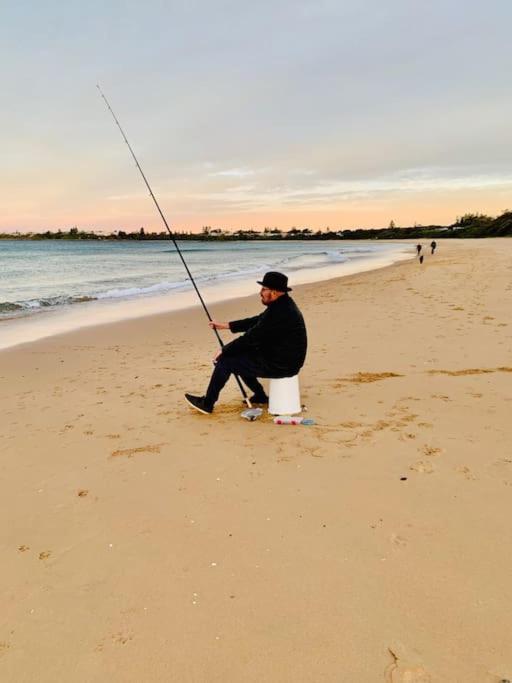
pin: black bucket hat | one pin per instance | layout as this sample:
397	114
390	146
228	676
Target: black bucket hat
275	280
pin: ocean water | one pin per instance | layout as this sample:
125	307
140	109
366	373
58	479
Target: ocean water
85	282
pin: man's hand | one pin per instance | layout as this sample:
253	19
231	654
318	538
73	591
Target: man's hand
218	326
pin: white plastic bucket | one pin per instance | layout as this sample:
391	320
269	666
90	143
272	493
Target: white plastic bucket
284	396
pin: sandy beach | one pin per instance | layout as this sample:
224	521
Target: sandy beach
144	542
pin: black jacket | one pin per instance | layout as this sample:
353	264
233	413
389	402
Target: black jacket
277	338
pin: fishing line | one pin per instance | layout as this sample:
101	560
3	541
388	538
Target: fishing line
246	398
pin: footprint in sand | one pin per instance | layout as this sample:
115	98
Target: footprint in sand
431	450
82	493
398	541
365	378
122	638
407	436
45	554
463	469
441	397
422	466
407	674
23	548
130	452
402	671
502	469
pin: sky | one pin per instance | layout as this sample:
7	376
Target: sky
282	113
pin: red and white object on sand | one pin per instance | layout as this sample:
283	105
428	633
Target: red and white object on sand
287	420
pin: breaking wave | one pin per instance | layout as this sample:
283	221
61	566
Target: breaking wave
9	307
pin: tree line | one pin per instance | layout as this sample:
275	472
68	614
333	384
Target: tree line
469	225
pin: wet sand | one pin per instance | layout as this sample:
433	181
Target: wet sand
144	542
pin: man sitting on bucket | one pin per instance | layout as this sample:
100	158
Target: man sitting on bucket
274	345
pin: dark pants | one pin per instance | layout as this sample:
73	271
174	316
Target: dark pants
247	367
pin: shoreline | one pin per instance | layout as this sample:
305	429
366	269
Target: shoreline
50	323
146	542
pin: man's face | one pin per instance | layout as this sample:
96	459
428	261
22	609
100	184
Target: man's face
268	295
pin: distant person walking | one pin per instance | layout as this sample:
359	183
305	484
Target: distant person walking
418	249
421	258
433	246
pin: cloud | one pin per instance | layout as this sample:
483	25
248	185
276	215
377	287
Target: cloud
233	173
329	193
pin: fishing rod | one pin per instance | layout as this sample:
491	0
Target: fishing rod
244	394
